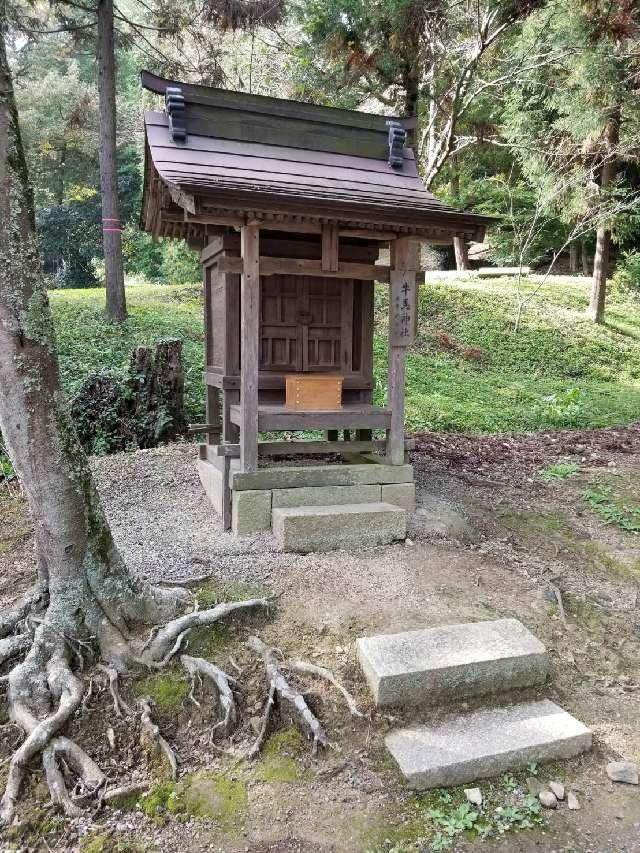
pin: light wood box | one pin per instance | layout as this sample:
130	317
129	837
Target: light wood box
314	392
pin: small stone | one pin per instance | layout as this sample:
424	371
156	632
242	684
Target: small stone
111	737
474	796
534	786
557	788
255	723
623	771
573	802
548	800
408	542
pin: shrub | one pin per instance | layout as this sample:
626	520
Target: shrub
627	274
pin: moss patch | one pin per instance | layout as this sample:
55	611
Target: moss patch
528	523
611	564
280	757
214	796
167	689
34	825
209	796
214	592
211	640
104	842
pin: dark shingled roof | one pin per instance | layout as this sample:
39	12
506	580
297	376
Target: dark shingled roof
250	152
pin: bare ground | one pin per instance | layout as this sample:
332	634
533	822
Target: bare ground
490	538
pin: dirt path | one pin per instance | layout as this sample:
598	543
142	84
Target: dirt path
491	537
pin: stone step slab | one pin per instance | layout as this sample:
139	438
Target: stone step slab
486	743
451	662
325	528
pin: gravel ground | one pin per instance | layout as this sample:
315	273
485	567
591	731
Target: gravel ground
488	539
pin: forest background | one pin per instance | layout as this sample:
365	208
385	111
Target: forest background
527	110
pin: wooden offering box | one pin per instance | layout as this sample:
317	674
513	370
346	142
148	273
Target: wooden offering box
313	392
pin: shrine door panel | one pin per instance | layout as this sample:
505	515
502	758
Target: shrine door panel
280	331
327	332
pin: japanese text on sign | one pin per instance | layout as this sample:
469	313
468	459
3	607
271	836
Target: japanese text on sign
402	308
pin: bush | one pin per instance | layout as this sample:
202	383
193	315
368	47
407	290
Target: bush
627	275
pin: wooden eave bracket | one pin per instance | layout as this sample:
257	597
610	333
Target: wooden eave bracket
184	200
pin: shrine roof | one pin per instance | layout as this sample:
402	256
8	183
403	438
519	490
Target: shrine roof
213	152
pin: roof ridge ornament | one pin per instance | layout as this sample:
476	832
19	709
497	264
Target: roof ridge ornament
176	110
397	139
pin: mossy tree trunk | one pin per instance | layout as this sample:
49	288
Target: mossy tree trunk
88	581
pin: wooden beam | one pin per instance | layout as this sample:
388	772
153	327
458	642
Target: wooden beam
404	263
304	266
249	343
278	417
330	242
304	448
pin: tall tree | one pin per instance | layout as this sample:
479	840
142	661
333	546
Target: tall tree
573	127
432	59
111	226
85	596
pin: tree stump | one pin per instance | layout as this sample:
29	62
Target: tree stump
142	411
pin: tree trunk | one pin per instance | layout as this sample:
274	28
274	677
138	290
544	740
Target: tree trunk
595	311
573	257
111	227
459	245
585	259
462	254
90	589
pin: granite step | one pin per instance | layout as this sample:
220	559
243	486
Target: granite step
451	662
325	528
486	743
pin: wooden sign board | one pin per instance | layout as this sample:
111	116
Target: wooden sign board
402	308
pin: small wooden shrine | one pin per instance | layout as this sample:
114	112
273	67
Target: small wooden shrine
291	205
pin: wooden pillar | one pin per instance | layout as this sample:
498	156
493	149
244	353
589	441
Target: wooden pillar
249	335
402	324
213	414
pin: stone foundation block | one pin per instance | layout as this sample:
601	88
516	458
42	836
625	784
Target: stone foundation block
400	494
326	495
251	512
212	482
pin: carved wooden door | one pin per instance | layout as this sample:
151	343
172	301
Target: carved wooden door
327	343
280	333
306	324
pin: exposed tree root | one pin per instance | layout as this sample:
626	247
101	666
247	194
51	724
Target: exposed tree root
119	705
124	791
35	600
151	738
264	723
12	646
44	677
167	640
327	675
43	691
287	695
199	668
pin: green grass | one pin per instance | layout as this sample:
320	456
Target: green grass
89	344
558	371
613	508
